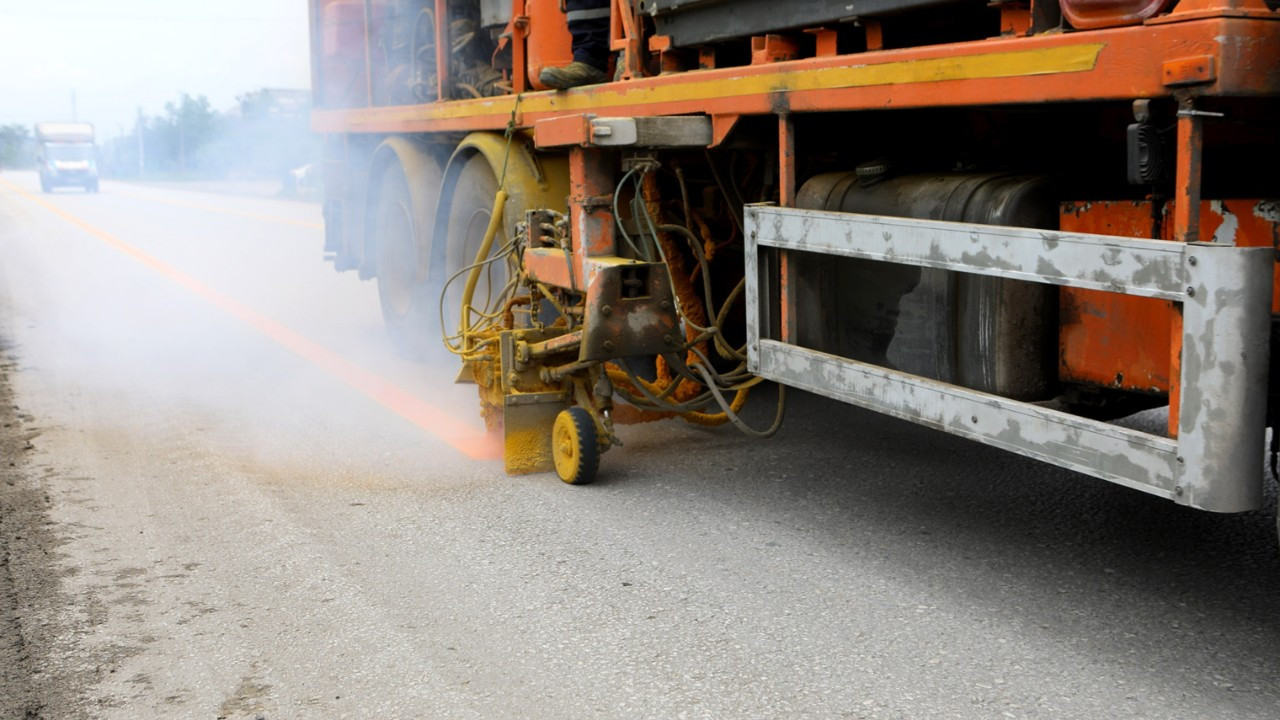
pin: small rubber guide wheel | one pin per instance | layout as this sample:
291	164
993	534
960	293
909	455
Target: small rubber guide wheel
575	446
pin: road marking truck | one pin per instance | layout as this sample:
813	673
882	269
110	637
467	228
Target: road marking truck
1014	221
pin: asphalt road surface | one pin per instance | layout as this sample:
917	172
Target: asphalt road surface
225	497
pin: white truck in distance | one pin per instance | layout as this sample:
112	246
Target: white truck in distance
66	155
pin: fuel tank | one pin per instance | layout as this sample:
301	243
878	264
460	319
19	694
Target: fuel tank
985	333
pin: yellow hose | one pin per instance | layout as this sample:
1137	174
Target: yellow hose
491	232
618	377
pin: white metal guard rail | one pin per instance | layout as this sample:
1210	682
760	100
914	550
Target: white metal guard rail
1216	462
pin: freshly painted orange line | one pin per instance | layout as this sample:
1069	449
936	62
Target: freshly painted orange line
468	440
224	211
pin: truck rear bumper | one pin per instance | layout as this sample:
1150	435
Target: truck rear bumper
71	178
1224	291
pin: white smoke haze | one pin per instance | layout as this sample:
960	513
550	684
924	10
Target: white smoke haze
88	320
94	326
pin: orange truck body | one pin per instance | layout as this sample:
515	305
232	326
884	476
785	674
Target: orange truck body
1038	82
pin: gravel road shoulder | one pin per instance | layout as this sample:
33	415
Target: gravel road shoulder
33	608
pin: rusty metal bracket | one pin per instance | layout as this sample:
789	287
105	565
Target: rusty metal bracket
629	310
663	131
598	202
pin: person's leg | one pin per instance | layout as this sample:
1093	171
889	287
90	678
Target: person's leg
589	26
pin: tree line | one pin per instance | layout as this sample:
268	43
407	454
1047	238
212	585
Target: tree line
17	147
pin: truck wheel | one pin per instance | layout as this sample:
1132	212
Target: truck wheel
402	224
575	446
470	207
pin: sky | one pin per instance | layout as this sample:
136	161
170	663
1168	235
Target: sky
120	55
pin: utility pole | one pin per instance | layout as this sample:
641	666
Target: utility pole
142	145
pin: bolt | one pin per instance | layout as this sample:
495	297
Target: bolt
1182	460
512	378
1191	292
665	304
668	339
607	345
973	419
1192	261
1178	491
606	310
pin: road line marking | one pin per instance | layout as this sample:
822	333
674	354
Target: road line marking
223	211
470	441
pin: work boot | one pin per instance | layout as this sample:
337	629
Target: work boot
572	75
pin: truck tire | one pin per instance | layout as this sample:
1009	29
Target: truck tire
470	207
409	303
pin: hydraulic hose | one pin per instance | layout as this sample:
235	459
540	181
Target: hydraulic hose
469	290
